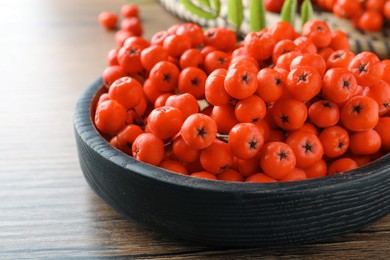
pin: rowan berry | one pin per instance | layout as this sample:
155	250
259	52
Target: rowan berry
277	159
339	59
360	113
216	60
148	148
283	47
240	83
359	159
250	109
325	52
165	75
165	122
244	61
335	141
289	114
129	58
380	92
110	117
339	40
338	85
305	44
318	169
112	59
199	131
382	128
245	65
191	58
159	37
371	21
245	140
367	68
186	103
285	60
282	30
274	5
193	31
151	91
183	151
346	8
365	142
176	44
310	59
173	166
192	80
386	69
249	166
127	91
270	84
224	117
341	165
206	50
126	137
318	31
121	36
222	39
130	10
230	175
151	55
138	41
386	10
132	24
108	20
304	82
296	174
324	113
112	73
215	92
217	157
259	45
307	148
162	99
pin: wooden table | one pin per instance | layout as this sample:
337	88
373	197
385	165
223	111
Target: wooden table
49	52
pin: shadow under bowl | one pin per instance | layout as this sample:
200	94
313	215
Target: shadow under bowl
223	213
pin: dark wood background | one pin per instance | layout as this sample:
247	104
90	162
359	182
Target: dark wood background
49	52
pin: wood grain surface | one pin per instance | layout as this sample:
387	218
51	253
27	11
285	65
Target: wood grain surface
49	52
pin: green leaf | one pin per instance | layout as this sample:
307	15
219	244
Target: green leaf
306	11
205	3
196	10
235	12
257	15
216	6
289	11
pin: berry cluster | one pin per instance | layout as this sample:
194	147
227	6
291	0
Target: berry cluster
130	25
368	15
277	106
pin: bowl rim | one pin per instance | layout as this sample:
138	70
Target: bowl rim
83	125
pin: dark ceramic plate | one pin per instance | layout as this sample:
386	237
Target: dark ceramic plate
228	214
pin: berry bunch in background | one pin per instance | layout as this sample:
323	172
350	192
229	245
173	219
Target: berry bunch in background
367	15
130	24
277	106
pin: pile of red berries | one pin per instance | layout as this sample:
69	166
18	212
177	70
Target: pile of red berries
277	106
368	15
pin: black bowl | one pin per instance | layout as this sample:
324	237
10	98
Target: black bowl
224	213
